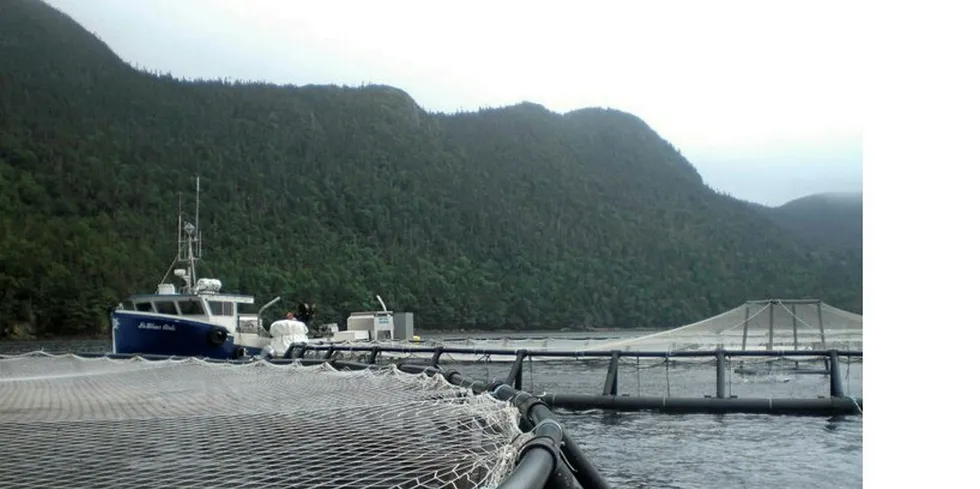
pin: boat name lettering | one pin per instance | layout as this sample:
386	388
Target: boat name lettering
163	327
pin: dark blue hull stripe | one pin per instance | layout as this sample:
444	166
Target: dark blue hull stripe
135	333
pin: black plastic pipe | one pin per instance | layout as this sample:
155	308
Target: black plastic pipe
500	351
539	458
586	354
836	386
538	412
816	407
720	374
611	387
516	376
530	472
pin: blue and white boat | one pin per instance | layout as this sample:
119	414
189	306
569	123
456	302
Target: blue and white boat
198	319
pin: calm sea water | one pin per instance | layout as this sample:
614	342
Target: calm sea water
648	450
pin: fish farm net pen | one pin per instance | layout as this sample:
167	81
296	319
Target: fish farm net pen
110	422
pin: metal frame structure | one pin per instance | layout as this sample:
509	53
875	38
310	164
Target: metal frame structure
837	404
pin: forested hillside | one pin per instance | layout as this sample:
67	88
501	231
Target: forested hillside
507	218
832	220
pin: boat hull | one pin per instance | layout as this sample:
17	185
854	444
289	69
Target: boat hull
149	334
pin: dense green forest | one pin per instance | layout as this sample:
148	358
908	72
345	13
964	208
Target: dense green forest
506	218
831	220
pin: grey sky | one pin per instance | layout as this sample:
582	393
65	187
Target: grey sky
762	97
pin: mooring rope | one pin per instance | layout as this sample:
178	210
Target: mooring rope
742	322
801	319
856	404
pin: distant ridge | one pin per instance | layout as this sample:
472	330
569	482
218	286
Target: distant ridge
833	220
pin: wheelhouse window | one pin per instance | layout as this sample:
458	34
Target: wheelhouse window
144	307
222	308
167	307
191	307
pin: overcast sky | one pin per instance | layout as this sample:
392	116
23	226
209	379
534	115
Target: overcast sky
762	97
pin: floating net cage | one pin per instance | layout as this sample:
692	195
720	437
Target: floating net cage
777	324
758	325
68	421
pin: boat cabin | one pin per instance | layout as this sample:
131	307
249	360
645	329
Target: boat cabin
187	305
211	307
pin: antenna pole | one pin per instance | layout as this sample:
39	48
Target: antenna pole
180	225
188	236
197	216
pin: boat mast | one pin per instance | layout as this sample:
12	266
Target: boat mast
187	237
197	215
193	237
180	229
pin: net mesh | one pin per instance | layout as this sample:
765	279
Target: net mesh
779	325
758	325
68	421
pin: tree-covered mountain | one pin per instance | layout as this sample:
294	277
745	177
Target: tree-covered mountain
515	217
830	220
